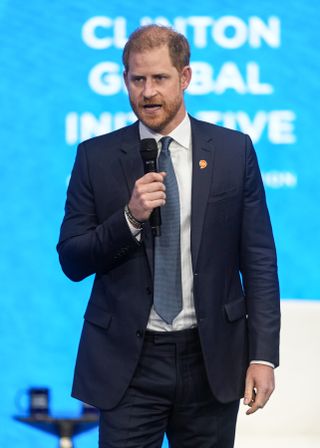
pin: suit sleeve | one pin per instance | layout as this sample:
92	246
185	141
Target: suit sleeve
258	265
87	246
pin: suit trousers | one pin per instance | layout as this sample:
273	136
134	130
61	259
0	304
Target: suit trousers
169	394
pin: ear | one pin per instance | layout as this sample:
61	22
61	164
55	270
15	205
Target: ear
125	78
185	76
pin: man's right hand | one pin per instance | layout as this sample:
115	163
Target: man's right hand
148	193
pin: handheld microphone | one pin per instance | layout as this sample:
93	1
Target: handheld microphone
149	152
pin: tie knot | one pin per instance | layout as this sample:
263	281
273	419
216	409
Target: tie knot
165	142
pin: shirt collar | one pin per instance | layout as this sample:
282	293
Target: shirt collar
181	134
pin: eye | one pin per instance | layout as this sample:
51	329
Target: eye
137	79
160	77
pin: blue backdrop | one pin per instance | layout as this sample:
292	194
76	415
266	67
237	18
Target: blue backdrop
256	68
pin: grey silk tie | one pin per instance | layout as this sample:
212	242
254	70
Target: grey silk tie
167	261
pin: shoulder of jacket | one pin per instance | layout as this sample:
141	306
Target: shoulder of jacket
112	138
216	130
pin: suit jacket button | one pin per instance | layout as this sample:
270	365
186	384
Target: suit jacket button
149	290
139	334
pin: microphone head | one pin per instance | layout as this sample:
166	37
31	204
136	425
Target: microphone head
148	149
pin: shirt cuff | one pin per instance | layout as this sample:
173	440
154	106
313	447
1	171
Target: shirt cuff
265	363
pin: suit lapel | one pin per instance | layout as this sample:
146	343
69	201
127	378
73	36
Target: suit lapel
132	167
203	153
130	159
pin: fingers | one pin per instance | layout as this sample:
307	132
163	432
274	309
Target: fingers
258	401
151	177
249	394
259	387
148	193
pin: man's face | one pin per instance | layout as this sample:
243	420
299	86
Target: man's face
156	89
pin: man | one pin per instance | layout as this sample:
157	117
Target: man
171	346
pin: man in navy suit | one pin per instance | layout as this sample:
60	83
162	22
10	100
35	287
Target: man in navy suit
183	372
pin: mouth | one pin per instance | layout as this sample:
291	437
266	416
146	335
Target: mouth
151	107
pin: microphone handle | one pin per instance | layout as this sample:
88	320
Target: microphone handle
155	222
155	217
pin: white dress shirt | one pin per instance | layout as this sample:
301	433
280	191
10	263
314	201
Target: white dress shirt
181	156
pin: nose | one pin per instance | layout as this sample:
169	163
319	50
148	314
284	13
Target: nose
148	89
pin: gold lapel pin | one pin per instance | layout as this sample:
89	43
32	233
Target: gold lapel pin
203	164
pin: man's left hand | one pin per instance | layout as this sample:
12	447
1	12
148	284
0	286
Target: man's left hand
259	386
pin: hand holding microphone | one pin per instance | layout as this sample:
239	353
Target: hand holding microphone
149	191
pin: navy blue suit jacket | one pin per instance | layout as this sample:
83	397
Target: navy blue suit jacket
236	290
